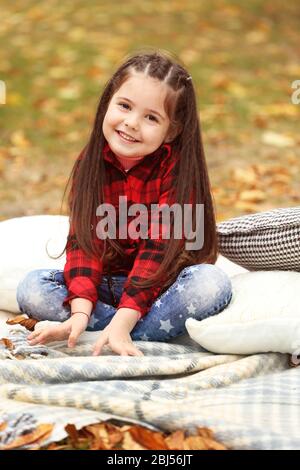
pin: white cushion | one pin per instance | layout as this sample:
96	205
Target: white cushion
263	316
23	243
230	268
4	329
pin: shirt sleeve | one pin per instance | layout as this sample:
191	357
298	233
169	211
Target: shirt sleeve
82	273
150	253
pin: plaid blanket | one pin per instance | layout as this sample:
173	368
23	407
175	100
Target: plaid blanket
250	402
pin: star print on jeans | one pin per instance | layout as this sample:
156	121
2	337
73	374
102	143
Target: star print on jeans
191	309
180	288
165	325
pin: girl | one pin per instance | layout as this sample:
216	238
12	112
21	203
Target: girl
145	145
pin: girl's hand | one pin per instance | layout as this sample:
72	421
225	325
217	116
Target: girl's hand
70	329
119	341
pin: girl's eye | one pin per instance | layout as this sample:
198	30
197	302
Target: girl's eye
154	118
125	104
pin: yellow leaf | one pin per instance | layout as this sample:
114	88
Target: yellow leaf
254	195
246	206
13	99
19	140
245	176
277	140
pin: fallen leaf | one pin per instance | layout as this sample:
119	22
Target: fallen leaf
205	432
148	439
41	433
175	440
129	443
101	438
245	176
3	426
7	343
252	195
246	206
19	140
72	433
202	443
277	140
28	323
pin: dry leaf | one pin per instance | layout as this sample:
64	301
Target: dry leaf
7	343
252	195
194	443
101	437
246	206
107	436
205	432
41	433
130	444
72	433
149	439
202	443
277	140
3	426
28	323
175	440
19	140
115	435
245	176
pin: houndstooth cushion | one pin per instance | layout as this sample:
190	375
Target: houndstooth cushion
263	241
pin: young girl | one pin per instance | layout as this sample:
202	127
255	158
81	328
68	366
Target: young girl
145	145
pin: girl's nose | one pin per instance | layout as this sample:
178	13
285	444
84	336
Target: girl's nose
132	122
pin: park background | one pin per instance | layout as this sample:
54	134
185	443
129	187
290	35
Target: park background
56	56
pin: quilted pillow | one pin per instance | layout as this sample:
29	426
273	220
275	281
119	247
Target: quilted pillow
263	241
262	316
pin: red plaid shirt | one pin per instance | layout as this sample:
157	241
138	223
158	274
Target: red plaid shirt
149	181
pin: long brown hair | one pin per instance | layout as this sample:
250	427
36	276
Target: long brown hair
88	173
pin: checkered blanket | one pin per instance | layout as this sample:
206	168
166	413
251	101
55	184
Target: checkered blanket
250	402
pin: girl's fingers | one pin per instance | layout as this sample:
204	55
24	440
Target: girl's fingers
38	339
34	334
99	344
135	352
131	350
74	335
47	334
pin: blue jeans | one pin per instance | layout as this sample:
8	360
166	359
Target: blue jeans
199	292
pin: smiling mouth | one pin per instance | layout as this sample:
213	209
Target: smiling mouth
126	137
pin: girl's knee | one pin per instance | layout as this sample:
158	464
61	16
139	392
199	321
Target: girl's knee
28	288
31	293
208	279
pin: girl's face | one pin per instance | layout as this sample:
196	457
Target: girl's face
137	110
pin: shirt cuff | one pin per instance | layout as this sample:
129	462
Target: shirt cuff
83	288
